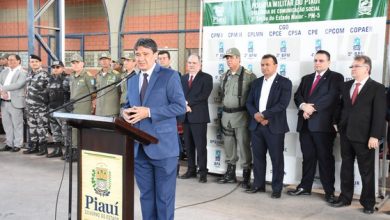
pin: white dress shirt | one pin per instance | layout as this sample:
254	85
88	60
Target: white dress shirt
265	90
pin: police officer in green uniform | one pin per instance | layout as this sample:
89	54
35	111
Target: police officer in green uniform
129	65
81	83
235	87
3	61
107	100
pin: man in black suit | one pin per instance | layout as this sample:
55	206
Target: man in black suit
318	99
267	102
361	126
197	87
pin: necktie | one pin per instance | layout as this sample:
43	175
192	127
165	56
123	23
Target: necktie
190	81
315	83
355	93
144	87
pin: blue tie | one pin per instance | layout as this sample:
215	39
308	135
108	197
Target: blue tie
144	87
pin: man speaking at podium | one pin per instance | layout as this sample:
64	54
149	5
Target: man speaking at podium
155	98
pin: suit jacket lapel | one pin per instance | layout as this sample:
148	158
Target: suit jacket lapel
348	89
195	80
275	83
364	89
152	81
321	82
135	88
258	92
185	84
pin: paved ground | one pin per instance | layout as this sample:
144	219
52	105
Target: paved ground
29	185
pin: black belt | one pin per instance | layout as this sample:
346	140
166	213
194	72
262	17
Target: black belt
3	100
233	110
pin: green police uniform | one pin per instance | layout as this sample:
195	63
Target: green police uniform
235	117
81	85
107	100
124	89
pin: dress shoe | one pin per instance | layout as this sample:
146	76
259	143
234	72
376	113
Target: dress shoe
188	174
340	203
203	179
255	190
15	149
368	210
298	192
6	148
276	195
330	198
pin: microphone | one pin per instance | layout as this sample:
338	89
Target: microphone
126	78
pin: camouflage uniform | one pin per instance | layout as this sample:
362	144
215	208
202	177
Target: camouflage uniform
235	123
37	105
124	89
59	93
107	100
81	85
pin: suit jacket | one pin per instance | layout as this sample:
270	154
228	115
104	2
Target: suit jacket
326	100
278	100
366	118
16	88
166	101
197	97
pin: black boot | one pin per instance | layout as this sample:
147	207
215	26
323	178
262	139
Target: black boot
246	174
66	154
33	148
42	149
230	175
57	152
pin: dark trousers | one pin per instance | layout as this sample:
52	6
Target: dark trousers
366	163
156	180
261	141
195	138
317	146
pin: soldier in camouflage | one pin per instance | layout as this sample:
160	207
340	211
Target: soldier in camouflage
107	100
59	93
81	83
37	107
129	65
235	87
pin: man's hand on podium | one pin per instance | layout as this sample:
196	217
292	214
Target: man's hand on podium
136	114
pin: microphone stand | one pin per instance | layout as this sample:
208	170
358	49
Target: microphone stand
117	83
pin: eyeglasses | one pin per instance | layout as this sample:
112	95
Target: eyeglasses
356	66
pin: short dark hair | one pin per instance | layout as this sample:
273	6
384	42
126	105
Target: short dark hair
161	52
147	43
17	57
267	56
324	52
365	59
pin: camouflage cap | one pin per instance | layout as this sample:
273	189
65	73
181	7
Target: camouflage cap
128	56
3	56
232	52
76	57
104	55
57	63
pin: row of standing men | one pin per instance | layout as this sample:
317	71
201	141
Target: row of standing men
326	105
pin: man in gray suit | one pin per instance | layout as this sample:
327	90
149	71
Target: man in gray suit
12	90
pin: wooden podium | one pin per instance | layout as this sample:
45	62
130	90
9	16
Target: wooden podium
106	165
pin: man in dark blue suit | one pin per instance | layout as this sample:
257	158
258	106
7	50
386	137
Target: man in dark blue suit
318	101
155	99
267	102
197	86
